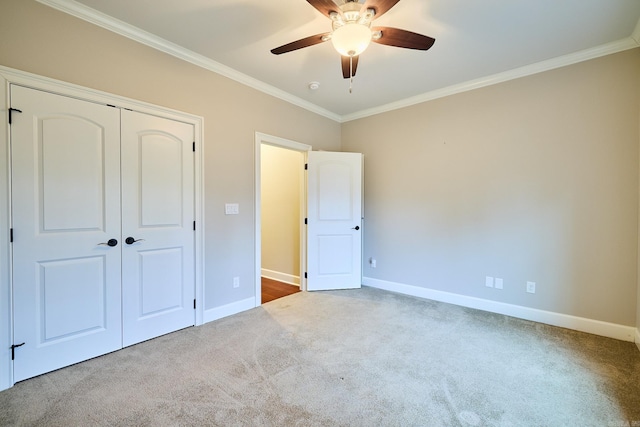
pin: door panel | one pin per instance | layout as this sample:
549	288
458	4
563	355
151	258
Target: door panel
160	271
335	192
66	201
60	280
335	254
157	195
72	195
334	220
161	178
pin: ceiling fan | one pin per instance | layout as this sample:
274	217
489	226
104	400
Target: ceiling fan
352	32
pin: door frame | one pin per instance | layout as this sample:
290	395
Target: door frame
263	138
10	76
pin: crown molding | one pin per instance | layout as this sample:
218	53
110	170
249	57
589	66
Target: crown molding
539	67
107	22
93	16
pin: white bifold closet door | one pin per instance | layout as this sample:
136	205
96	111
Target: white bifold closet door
85	177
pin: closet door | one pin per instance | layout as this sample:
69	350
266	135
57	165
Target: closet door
66	210
158	261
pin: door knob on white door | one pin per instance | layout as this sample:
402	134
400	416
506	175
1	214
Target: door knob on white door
111	242
131	240
357	227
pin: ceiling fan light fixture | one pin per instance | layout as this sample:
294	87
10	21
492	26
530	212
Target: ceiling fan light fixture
351	39
352	33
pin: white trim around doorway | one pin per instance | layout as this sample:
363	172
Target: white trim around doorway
262	138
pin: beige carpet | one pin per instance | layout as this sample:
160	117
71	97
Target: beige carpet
346	358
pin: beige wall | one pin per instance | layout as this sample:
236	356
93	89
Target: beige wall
281	181
535	179
41	40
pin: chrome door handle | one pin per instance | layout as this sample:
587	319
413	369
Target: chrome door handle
131	240
111	242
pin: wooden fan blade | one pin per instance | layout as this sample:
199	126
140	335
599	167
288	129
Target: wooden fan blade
380	6
347	68
403	38
299	44
325	6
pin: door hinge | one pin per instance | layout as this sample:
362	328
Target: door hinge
13	350
112	106
194	226
11	235
194	146
11	110
306	166
305	221
305	274
194	304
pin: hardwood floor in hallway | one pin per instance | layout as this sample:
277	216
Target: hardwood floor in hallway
272	289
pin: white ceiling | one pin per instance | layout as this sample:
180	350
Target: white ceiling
477	42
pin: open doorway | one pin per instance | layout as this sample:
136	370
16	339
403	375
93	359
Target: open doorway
281	184
280	212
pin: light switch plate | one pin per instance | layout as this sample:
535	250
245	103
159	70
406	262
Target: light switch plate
231	209
488	282
498	283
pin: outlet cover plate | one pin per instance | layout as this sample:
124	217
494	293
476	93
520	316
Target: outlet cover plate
488	282
531	287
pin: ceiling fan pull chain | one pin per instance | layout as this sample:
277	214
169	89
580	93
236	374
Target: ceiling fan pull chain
350	73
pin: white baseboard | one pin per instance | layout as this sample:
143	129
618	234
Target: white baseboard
638	338
596	327
229	309
280	277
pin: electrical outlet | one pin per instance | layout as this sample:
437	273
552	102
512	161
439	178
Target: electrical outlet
236	282
498	283
531	287
373	262
488	282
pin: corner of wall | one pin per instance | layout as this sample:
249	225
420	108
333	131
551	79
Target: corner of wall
637	337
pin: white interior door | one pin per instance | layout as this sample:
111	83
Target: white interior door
334	217
158	284
66	204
